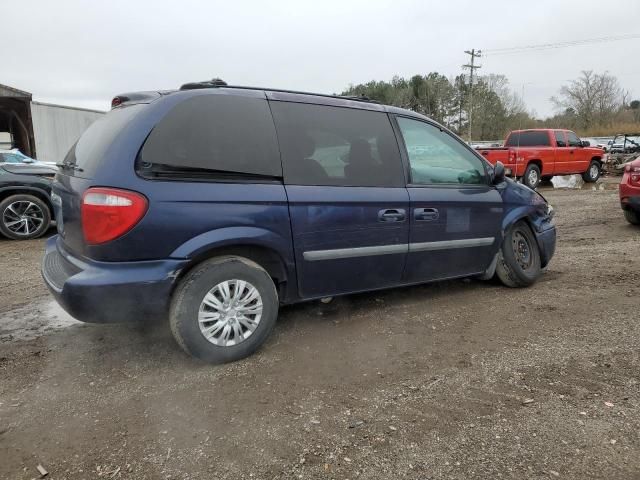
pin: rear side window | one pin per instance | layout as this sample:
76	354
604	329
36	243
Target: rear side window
88	152
560	141
227	134
323	145
530	138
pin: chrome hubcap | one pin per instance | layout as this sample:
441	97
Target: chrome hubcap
533	178
522	250
230	312
594	171
23	217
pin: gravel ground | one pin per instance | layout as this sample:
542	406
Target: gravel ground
459	380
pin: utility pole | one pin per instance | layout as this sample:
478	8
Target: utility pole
471	66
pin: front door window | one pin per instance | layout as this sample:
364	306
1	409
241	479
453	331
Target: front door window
435	157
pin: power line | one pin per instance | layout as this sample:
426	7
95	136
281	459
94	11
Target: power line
570	43
471	66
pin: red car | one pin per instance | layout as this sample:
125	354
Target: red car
630	192
539	154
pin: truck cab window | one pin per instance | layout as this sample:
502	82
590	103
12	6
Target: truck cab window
560	141
574	141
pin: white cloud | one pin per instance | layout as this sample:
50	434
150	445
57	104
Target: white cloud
82	52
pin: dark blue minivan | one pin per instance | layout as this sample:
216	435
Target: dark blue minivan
212	205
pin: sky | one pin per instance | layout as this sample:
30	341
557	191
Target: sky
83	52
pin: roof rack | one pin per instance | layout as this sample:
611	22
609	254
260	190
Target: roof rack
213	83
217	83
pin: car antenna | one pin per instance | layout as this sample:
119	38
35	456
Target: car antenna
515	174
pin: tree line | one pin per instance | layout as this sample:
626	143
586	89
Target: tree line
593	104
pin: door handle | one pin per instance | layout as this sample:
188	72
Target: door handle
426	214
392	215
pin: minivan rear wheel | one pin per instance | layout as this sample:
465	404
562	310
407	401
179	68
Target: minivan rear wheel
224	309
23	217
519	257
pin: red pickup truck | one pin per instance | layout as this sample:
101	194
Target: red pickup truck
539	154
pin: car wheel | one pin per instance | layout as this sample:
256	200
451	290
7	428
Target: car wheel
23	217
224	309
531	176
593	172
519	258
632	217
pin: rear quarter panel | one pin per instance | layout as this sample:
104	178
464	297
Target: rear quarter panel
186	218
495	154
546	157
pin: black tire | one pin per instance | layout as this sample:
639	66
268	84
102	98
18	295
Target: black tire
523	268
593	172
532	176
632	217
32	214
187	300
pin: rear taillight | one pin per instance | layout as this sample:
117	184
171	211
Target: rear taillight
634	174
109	213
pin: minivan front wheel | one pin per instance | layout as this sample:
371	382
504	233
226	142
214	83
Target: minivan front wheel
519	258
224	309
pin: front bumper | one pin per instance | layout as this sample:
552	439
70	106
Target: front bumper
546	243
109	292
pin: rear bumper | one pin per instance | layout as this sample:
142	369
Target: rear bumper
109	292
547	244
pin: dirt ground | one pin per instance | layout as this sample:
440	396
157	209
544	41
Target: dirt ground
459	380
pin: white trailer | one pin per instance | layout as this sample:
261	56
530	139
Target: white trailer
56	128
42	131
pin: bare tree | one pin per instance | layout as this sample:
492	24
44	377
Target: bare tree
595	98
511	101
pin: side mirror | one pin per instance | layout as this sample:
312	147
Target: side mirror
585	143
498	173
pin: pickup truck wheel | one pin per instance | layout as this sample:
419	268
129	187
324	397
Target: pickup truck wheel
519	258
593	172
531	176
23	217
224	309
632	217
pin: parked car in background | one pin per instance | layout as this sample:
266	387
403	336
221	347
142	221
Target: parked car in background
630	192
625	143
539	154
213	205
16	156
592	142
25	202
